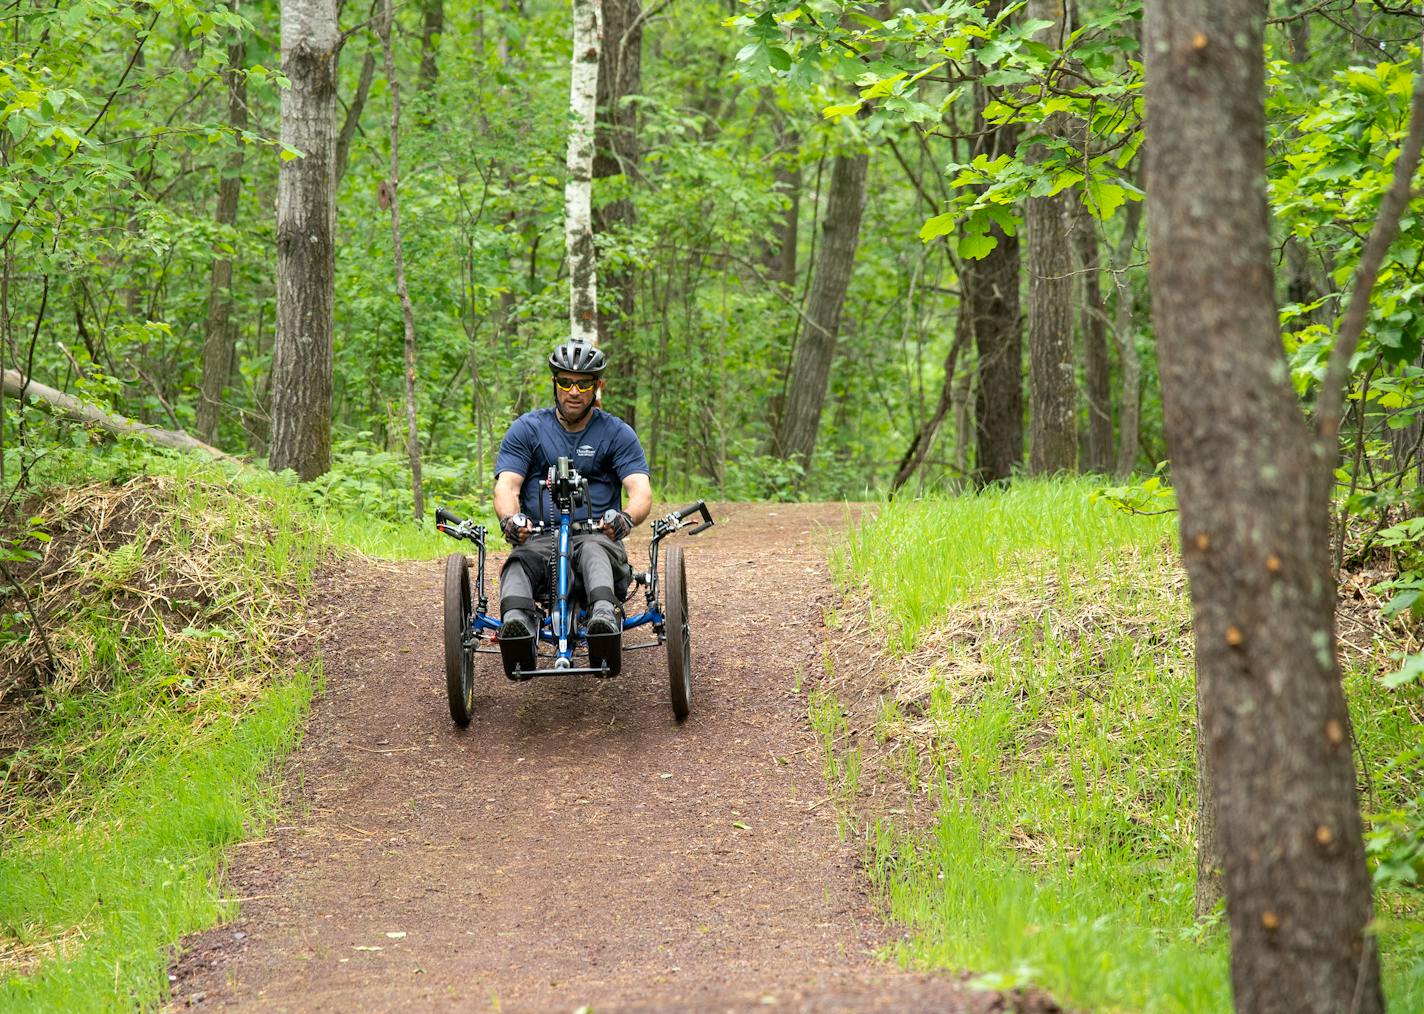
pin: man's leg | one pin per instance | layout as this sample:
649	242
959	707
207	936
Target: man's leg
521	586
600	560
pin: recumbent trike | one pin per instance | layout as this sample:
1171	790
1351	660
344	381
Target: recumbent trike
470	630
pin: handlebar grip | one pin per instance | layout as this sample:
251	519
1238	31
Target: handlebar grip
700	528
445	517
691	509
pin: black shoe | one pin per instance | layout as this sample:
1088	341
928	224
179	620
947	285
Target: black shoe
517	643
605	638
604	620
515	624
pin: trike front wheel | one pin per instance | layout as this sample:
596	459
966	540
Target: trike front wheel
459	645
679	635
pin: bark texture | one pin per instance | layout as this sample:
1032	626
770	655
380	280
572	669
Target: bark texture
353	113
412	434
1053	395
432	26
578	191
781	255
302	357
620	74
1097	364
811	366
1254	528
1125	336
992	300
220	335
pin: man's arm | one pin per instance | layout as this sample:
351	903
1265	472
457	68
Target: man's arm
638	495
506	499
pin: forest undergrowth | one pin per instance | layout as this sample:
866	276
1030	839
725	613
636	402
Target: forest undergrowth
141	736
1007	720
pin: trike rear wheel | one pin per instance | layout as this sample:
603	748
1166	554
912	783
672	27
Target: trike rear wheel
679	635
459	645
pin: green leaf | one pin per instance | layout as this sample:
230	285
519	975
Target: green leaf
977	246
883	87
1105	198
836	112
940	225
1409	671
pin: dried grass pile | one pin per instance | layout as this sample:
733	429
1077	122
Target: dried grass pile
182	587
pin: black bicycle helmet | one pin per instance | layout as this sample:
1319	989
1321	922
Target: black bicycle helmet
577	357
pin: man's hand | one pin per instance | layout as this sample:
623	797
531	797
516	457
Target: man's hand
615	524
516	528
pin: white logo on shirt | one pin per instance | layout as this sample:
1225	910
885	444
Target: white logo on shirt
585	451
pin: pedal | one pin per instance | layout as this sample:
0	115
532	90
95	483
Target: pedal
606	650
517	653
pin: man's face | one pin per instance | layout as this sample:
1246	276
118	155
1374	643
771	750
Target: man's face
575	393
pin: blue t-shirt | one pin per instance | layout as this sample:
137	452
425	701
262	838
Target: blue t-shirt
605	452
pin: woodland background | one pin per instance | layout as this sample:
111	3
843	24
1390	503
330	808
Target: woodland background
843	251
141	159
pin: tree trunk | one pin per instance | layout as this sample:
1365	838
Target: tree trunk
353	113
991	290
219	337
1208	885
1124	335
412	434
302	358
1053	391
1097	365
578	191
1300	280
1255	531
961	407
431	27
780	256
616	154
811	367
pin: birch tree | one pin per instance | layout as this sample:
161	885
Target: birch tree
306	212
578	191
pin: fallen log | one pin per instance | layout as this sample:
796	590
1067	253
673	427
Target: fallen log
14	384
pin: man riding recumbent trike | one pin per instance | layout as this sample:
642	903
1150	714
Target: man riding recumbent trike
564	583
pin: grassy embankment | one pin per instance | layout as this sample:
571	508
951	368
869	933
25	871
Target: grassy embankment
172	594
1037	720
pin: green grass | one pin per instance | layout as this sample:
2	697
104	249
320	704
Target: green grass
106	895
919	557
160	736
1054	750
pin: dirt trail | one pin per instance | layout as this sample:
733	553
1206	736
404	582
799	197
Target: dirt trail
574	846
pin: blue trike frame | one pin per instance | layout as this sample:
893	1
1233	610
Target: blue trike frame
564	626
